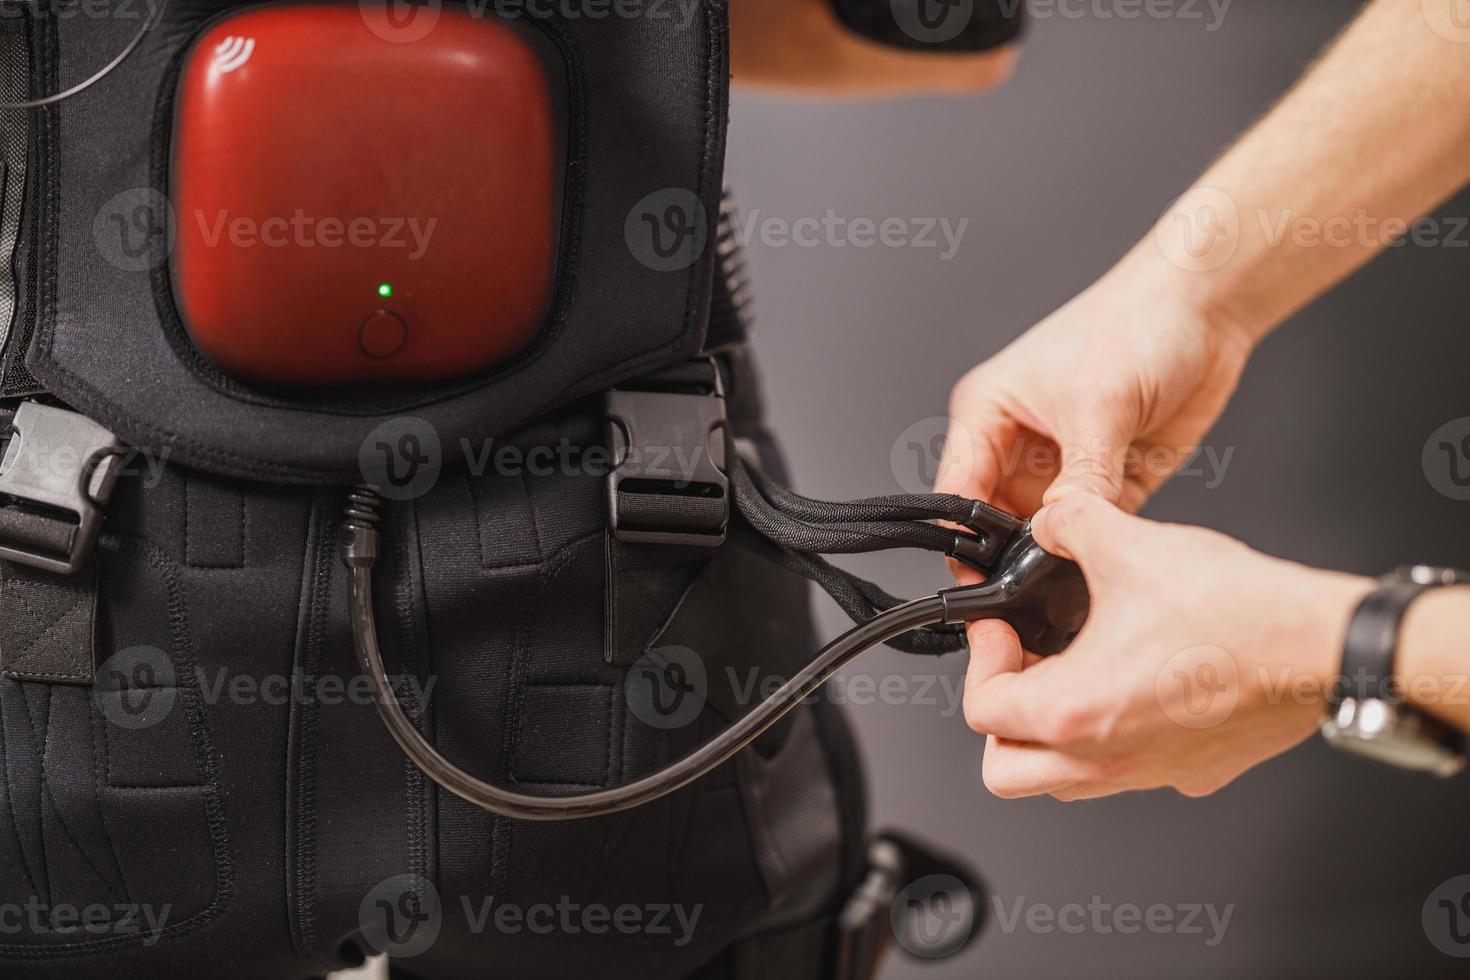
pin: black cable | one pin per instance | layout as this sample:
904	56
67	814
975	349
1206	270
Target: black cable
1042	597
148	24
361	552
895	507
860	599
846	535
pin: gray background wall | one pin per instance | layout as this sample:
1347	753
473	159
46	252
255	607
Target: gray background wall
1326	861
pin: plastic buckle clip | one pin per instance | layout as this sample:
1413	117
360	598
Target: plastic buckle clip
57	473
668	483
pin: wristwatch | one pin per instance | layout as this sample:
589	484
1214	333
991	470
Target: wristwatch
1367	714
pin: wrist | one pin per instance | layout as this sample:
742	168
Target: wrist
1198	297
1332	599
1433	660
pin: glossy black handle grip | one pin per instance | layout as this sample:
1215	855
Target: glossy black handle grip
1044	598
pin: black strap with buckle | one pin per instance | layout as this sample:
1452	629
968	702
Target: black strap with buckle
669	484
57	473
668	498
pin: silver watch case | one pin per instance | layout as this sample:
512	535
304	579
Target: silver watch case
1391	733
1394	733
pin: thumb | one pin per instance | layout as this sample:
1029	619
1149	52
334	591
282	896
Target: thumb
1092	459
1083	527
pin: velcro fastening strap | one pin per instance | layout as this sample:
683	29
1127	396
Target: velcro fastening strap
48	624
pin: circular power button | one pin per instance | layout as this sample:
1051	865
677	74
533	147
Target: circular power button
382	334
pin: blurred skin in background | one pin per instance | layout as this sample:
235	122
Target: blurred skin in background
1087	413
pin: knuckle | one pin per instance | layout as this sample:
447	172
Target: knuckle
999	783
1064	515
1109	722
1072	722
975	716
997	773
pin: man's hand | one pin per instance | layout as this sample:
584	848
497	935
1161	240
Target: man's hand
1112	393
1371	138
1201	658
799	45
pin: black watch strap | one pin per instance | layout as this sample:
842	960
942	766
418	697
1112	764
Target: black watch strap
1372	641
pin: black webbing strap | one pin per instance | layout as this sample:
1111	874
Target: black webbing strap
32	531
48	624
56	471
668	497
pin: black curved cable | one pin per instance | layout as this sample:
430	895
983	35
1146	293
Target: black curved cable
1042	597
149	23
360	554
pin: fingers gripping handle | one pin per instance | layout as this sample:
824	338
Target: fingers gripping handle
1044	598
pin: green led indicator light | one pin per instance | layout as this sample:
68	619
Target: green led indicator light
385	290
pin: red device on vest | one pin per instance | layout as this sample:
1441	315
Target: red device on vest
356	206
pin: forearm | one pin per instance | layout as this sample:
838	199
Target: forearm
1372	138
1434	655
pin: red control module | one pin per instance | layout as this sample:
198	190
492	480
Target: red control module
359	204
